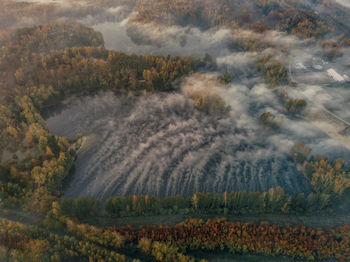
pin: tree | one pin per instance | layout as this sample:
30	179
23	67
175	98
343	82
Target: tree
38	250
225	78
295	106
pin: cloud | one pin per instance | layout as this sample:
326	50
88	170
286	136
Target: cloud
174	40
160	144
238	60
345	3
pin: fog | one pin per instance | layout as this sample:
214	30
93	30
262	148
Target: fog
161	144
344	3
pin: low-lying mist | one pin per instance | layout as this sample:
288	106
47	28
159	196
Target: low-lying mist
162	145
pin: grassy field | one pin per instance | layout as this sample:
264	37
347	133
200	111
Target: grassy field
317	221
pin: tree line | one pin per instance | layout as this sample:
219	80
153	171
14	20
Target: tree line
275	201
171	243
329	177
37	71
298	242
20	242
260	15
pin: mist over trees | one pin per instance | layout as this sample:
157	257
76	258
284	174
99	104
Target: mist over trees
251	85
46	77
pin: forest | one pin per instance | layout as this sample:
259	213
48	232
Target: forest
45	159
167	243
266	15
45	64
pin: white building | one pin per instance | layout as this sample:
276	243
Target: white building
332	73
